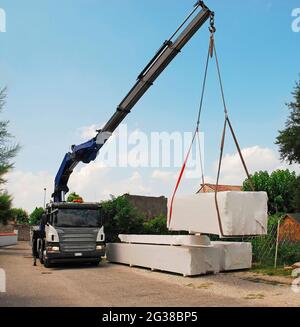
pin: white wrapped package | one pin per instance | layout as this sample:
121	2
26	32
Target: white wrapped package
235	255
166	239
241	213
185	260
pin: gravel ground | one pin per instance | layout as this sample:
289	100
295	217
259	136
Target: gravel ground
112	285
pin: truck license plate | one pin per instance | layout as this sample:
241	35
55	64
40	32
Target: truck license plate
78	254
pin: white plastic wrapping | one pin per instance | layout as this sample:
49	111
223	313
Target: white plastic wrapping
242	213
234	255
166	239
188	261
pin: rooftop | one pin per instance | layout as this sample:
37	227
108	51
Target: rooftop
295	216
221	188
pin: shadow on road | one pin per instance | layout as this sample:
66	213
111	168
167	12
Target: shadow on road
78	266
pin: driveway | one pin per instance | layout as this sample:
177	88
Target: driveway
112	285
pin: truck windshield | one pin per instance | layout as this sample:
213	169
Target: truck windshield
78	218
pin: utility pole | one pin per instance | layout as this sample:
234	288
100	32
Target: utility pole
45	191
277	243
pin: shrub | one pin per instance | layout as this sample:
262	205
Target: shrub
36	216
289	253
5	205
280	186
20	215
73	197
156	226
120	217
296	201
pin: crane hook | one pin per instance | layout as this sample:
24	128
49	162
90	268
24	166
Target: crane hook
212	27
212	30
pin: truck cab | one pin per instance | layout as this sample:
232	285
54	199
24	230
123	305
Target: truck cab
70	232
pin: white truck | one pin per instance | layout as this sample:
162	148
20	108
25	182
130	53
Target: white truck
70	232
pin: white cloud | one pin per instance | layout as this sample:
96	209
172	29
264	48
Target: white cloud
28	188
94	182
256	158
162	175
88	132
135	184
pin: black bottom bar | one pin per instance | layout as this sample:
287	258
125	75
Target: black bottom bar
90	317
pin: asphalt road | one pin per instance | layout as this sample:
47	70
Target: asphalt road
112	285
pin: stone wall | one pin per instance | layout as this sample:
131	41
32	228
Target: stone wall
23	232
6	228
149	206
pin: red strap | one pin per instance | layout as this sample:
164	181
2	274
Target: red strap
180	177
8	234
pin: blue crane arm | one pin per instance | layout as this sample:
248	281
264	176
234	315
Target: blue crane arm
88	151
85	152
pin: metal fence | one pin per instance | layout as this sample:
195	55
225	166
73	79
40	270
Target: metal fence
278	248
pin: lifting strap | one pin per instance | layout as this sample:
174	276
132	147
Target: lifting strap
227	122
180	177
196	133
211	52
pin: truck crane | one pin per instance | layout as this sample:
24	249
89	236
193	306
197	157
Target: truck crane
74	231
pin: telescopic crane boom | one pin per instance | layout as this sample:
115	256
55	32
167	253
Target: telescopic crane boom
88	151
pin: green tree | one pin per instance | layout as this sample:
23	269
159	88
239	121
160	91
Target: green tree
20	215
5	207
156	226
7	152
289	138
296	202
36	216
74	196
280	187
120	217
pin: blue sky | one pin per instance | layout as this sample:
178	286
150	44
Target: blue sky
67	64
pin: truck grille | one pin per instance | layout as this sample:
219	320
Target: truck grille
77	240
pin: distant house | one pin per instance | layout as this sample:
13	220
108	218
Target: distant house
290	228
209	188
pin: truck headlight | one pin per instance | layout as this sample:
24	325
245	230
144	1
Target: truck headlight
99	247
53	248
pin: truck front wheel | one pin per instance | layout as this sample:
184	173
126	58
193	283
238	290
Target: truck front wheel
47	263
95	263
41	257
41	246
